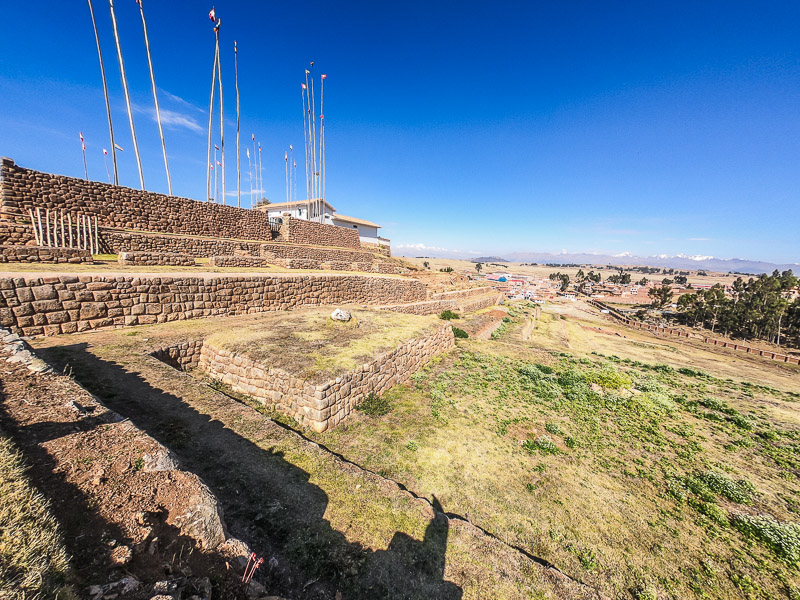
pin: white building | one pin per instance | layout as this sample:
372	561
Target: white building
310	210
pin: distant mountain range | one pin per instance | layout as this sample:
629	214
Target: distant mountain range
679	261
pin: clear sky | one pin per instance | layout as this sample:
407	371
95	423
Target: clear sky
484	127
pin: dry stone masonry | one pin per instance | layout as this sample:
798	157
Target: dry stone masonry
300	231
41	254
317	406
156	259
68	303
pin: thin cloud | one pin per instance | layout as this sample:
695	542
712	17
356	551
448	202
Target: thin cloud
178	100
699	239
171	119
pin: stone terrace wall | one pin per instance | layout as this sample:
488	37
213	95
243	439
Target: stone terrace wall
66	304
300	231
323	406
271	251
184	357
156	259
465	293
126	208
115	241
238	261
41	254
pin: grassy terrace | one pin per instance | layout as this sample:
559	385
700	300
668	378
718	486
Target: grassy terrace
310	344
644	467
645	480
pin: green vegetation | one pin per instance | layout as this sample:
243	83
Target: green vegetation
33	561
375	406
460	333
448	315
757	309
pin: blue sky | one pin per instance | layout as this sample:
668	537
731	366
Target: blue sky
667	127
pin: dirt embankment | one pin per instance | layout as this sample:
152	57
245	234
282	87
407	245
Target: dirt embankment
132	520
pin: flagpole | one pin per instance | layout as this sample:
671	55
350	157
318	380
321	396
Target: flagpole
260	171
238	149
125	90
250	175
294	184
322	134
155	96
105	160
83	150
291	173
305	145
286	165
209	164
314	149
221	112
105	93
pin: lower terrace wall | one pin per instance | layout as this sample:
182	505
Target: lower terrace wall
311	253
67	304
300	231
239	261
42	254
156	259
326	405
115	241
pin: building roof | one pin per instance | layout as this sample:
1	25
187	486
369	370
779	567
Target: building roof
354	220
289	205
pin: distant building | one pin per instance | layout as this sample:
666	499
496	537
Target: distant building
312	210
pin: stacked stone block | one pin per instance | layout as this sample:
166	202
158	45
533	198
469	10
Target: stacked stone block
156	259
324	405
43	254
68	303
300	231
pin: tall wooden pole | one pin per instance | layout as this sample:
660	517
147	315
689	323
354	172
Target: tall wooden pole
155	95
250	173
125	90
323	77
305	146
314	181
238	149
221	110
260	171
209	164
286	165
105	93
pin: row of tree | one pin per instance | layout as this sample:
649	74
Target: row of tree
758	308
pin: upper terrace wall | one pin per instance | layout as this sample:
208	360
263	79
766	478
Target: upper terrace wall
125	208
129	209
299	231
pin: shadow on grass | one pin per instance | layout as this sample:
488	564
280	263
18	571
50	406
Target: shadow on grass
267	500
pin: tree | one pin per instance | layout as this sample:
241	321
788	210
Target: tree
579	276
661	296
478	267
643	281
564	282
681	279
426	264
666	281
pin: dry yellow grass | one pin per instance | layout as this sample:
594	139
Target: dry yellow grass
33	561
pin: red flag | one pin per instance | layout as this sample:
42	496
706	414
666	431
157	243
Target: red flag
303	85
81	136
295	164
105	151
324	76
216	147
253	135
286	156
212	14
219	164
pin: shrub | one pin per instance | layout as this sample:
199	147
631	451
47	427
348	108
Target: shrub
711	510
740	491
782	538
448	315
552	428
608	378
742	422
544	443
374	406
460	333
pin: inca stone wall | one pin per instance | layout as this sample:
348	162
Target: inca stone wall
315	253
326	405
156	259
125	208
184	357
115	241
239	261
465	293
67	304
40	254
300	231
